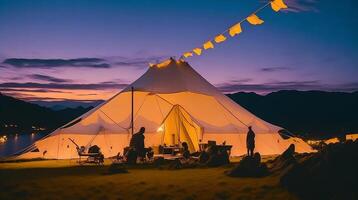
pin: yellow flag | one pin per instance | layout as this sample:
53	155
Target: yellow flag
208	45
254	20
197	51
220	38
234	30
188	54
277	5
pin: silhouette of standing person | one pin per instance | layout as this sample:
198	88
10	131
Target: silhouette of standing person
250	142
136	146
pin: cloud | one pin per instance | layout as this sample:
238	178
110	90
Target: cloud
32	98
56	63
244	80
266	87
299	5
90	94
230	86
15	78
19	95
30	90
48	78
139	62
275	69
100	63
91	86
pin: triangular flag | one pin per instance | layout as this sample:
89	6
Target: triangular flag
220	38
254	20
277	5
208	45
234	30
188	54
197	51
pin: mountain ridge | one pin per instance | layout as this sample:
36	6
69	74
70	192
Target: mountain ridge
17	116
306	113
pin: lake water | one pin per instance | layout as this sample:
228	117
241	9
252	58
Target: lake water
17	143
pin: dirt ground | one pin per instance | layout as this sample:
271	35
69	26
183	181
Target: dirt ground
66	180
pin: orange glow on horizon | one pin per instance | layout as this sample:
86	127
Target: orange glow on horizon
66	94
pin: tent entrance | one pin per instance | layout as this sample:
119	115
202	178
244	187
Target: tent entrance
178	127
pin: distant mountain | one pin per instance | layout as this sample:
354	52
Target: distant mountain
18	116
310	113
59	105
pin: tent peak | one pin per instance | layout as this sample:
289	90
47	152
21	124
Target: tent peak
168	62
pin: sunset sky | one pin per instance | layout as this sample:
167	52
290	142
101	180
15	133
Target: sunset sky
91	49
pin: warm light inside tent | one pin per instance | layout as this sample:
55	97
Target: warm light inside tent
160	129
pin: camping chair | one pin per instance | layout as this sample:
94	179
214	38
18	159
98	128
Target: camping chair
94	154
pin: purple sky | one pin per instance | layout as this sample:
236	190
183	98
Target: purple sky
90	49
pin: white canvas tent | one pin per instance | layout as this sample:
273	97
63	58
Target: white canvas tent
175	104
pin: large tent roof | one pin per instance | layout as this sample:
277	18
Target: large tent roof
172	76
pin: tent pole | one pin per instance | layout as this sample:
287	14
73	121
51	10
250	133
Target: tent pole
132	128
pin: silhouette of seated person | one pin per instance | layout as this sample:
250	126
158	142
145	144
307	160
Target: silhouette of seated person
150	153
205	154
217	157
214	156
100	157
250	142
136	147
186	152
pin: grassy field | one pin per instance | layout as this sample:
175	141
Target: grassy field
66	180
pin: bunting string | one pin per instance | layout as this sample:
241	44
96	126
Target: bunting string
235	29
